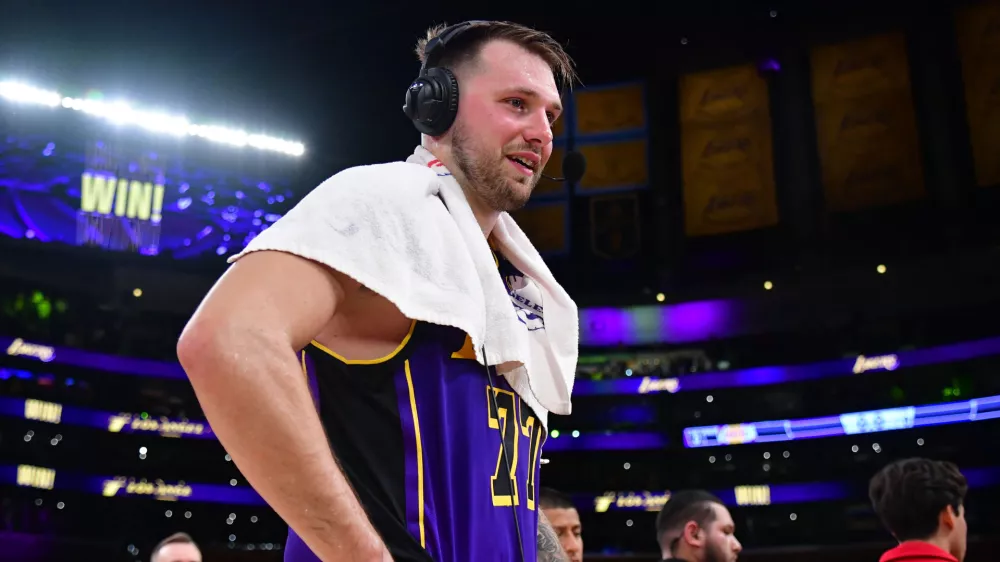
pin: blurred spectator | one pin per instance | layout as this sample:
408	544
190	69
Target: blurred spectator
695	526
565	521
178	547
921	502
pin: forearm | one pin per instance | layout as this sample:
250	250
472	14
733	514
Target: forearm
549	549
254	394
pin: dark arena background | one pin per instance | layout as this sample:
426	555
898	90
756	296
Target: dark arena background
784	250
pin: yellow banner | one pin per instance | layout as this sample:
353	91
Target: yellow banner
728	176
610	110
979	44
860	68
545	226
722	95
865	125
615	165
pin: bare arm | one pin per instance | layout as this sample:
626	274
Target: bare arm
549	549
239	351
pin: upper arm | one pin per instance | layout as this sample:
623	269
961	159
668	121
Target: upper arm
276	295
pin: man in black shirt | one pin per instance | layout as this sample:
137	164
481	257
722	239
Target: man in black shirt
694	526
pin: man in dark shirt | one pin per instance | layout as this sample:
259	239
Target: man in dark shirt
694	526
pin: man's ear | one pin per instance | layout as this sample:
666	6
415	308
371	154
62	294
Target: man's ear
693	534
948	517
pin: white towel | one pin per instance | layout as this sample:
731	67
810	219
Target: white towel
406	231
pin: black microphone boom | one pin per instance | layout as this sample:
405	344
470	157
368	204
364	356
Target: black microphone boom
573	167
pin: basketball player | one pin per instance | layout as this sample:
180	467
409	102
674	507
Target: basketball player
694	526
416	453
921	502
565	520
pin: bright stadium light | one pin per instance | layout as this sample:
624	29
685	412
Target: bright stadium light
121	113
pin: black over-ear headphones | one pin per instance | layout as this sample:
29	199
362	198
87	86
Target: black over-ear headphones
432	99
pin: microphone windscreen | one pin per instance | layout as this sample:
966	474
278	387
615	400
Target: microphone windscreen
573	167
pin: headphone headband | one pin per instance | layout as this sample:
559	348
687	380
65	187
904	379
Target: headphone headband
436	46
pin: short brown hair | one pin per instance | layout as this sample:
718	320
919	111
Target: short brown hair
176	538
465	48
908	495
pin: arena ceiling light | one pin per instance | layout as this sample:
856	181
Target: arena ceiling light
121	113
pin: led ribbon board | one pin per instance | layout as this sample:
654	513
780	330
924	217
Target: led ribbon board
29	476
121	486
760	376
873	421
761	494
124	422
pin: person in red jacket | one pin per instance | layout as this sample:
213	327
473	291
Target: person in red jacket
921	502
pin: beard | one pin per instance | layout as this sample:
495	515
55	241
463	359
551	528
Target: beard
488	177
716	552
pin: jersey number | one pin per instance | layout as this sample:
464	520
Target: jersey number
512	422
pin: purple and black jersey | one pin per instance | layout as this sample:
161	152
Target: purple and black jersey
419	438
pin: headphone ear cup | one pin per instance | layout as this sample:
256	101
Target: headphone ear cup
432	101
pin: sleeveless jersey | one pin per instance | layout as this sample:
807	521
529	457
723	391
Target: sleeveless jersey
418	435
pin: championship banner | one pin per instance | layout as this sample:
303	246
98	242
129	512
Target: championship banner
614	225
867	133
728	175
860	68
869	152
726	152
610	109
144	195
546	225
615	166
979	42
723	95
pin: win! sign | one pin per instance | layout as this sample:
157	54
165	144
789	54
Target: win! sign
120	213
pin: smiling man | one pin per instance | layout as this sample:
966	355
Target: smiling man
380	362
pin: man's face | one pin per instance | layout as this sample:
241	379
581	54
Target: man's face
566	523
179	552
506	108
721	544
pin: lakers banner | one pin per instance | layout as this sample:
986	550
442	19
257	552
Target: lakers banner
867	133
616	109
726	152
722	95
869	152
860	68
613	166
728	176
614	225
979	44
546	225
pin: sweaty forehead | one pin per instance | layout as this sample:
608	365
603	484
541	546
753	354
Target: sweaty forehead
508	65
